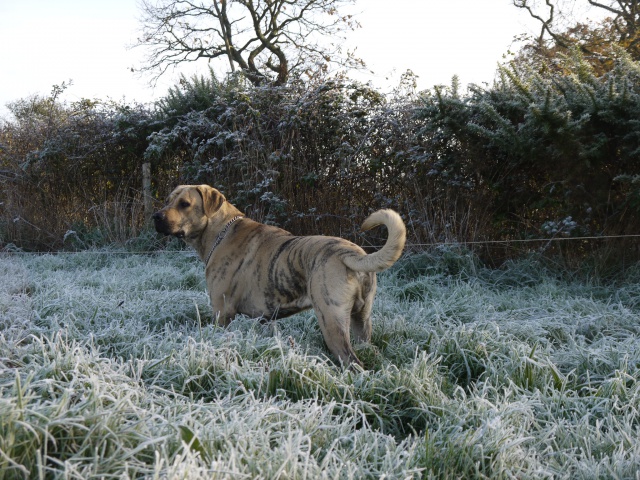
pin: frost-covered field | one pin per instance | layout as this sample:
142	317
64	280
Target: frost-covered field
108	368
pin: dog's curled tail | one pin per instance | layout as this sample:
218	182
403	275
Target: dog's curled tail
392	249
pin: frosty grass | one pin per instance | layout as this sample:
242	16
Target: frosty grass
110	368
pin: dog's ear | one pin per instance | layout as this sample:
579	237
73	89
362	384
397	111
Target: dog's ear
212	199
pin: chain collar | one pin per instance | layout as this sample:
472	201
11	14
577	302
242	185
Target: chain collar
221	236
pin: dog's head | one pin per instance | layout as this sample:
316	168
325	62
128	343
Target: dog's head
187	210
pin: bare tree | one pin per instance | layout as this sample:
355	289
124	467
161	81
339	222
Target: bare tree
555	16
268	40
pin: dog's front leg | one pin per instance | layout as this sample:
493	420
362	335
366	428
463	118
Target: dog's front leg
223	312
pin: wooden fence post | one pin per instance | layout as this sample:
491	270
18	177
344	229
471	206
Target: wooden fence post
146	191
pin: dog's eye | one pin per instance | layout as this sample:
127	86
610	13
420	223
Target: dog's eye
184	204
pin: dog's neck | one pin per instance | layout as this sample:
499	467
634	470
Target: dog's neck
215	224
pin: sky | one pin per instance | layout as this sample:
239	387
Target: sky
88	42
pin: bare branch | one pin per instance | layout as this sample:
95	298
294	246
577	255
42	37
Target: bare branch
262	38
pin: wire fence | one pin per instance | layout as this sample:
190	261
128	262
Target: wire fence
408	246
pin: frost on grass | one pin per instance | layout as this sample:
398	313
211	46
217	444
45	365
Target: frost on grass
15	304
110	367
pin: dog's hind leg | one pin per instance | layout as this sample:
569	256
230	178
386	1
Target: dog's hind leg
361	311
335	330
361	324
334	324
334	292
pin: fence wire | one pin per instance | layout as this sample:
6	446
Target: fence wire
189	252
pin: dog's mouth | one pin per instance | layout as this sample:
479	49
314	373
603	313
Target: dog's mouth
162	226
165	230
167	227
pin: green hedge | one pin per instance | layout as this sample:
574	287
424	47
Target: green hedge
531	156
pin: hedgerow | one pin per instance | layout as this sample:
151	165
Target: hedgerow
537	154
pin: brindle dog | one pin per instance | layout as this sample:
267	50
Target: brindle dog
264	271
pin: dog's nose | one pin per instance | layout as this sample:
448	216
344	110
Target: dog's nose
157	216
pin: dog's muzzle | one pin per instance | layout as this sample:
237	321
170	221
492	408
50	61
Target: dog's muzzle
162	226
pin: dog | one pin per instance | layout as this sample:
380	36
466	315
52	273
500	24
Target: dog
264	271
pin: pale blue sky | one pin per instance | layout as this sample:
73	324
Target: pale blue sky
46	42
